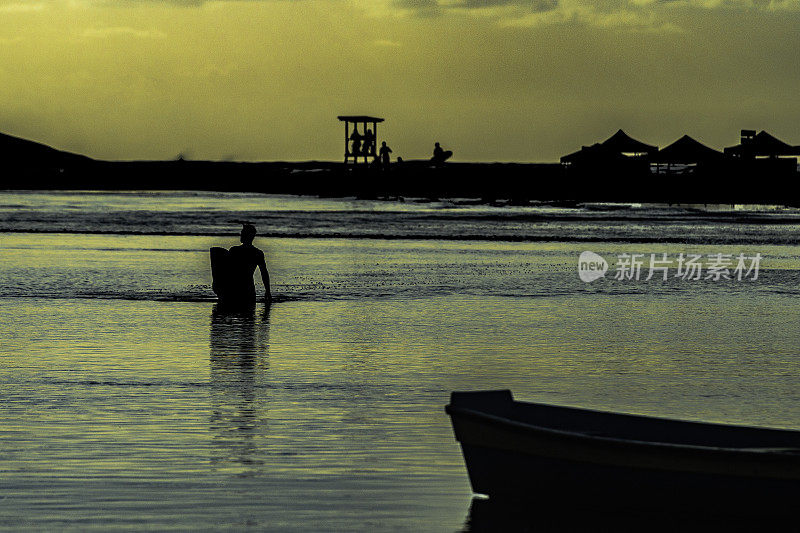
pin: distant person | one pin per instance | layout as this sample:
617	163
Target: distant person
384	153
369	142
440	155
356	138
233	270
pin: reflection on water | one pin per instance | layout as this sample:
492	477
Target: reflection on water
239	359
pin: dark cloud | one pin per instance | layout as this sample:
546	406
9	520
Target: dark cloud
528	5
433	8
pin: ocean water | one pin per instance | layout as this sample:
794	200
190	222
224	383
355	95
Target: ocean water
129	401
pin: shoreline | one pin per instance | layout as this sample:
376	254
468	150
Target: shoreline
34	166
513	183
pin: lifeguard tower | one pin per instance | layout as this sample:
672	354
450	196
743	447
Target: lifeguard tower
360	143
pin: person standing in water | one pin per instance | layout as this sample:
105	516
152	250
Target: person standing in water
243	262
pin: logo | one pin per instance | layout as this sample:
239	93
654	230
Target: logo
591	266
686	267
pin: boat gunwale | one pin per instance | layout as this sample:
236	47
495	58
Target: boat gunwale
589	437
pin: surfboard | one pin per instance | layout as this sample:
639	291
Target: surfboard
444	156
220	271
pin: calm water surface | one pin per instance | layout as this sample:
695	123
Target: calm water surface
129	401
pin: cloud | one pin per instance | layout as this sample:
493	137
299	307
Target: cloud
607	13
134	3
38	5
634	15
620	16
762	5
187	3
421	8
439	7
123	31
653	16
530	5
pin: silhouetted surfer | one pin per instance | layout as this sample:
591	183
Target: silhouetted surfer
440	155
233	270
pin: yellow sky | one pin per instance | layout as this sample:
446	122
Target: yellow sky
507	80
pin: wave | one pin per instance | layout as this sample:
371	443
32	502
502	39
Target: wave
224	383
207	299
210	216
183	298
781	287
679	238
113	249
313	218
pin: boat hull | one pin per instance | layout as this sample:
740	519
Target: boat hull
509	458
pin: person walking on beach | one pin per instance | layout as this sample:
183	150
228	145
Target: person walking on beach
385	159
237	271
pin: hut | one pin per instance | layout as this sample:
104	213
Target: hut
619	147
761	144
624	144
762	155
360	144
610	170
684	156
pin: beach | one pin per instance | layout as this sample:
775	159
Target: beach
130	401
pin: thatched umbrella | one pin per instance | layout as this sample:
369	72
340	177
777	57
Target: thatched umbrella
622	143
612	149
686	150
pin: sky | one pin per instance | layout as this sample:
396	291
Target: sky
492	80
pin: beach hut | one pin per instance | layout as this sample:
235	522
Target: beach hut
610	170
618	147
626	145
761	144
764	156
686	150
360	143
685	154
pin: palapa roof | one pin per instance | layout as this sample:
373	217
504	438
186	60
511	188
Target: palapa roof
610	149
686	150
359	118
763	144
621	142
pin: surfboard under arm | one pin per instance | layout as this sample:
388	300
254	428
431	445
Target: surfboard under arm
219	270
